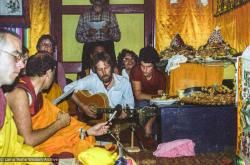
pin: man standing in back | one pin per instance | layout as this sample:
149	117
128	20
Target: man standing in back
98	24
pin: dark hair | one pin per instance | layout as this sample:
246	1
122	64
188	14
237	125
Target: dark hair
46	37
94	45
121	56
103	56
91	51
149	55
25	50
87	61
39	64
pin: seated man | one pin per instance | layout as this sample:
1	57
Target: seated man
47	43
147	81
127	59
11	62
25	56
103	80
41	123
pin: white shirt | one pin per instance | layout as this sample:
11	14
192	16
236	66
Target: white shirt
125	74
120	93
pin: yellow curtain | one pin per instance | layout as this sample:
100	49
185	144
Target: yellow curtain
40	21
191	20
235	27
195	23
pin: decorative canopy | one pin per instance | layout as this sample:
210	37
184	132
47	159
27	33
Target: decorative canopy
177	41
216	37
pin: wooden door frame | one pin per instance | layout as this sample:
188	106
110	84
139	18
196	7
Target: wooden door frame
57	10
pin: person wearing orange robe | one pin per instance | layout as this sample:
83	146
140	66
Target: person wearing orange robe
41	123
11	144
54	92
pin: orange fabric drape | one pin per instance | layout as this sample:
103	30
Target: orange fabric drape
40	21
64	140
195	23
54	92
192	75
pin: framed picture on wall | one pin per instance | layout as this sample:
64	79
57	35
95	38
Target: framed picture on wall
14	13
224	6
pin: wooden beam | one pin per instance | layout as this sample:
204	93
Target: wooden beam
79	9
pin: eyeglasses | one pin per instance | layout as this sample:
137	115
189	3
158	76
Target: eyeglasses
18	55
44	44
128	59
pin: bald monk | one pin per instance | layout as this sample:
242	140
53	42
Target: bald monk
11	62
41	123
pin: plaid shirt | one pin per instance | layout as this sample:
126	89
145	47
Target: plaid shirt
82	31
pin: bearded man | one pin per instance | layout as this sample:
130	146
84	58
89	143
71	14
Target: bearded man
103	80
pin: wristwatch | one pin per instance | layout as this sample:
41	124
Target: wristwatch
83	133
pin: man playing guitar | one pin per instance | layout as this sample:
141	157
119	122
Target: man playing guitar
103	80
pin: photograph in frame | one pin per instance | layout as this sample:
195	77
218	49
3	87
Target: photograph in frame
11	7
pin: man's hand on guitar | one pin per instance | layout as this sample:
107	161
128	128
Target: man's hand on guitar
98	129
88	110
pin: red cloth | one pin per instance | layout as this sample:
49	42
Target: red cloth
37	102
157	82
2	108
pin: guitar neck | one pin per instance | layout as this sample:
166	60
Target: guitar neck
148	111
105	110
111	110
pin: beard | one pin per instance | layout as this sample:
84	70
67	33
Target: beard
148	75
106	78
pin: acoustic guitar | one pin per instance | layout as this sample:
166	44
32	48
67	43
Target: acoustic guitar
102	109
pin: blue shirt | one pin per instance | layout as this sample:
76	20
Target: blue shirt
125	74
120	93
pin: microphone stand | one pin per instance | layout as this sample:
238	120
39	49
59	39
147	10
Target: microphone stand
133	148
134	120
119	144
